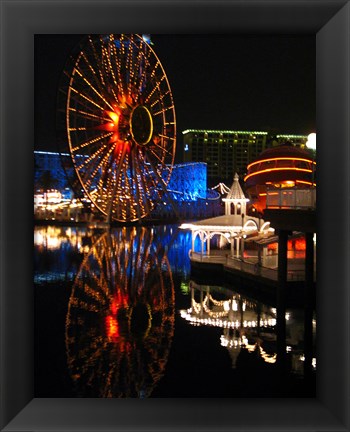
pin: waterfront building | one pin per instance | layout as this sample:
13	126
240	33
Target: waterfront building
49	170
281	167
224	151
187	193
295	140
53	170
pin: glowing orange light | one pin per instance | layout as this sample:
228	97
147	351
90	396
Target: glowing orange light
294	244
277	169
280	158
306	182
119	300
112	327
114	116
300	244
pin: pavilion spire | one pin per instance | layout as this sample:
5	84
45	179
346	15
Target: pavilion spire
236	193
235	199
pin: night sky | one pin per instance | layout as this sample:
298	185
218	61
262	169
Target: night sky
218	82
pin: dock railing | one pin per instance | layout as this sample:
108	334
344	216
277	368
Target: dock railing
291	198
224	258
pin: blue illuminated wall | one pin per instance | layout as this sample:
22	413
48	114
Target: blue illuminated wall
189	180
48	169
187	186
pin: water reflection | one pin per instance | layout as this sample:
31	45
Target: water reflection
248	326
120	320
117	315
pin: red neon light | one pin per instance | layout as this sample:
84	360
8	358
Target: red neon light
294	244
112	327
280	158
276	169
305	182
113	126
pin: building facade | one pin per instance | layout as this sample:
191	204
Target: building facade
187	188
225	152
295	140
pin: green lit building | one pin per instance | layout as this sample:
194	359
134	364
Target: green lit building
296	140
225	152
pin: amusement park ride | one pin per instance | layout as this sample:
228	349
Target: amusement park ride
117	123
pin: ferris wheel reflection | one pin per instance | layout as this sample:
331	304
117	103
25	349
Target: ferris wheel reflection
120	319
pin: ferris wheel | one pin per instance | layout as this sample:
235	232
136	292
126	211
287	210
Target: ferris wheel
120	125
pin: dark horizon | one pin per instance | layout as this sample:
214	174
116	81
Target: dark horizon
221	82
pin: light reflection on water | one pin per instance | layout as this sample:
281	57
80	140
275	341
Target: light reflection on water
130	294
246	324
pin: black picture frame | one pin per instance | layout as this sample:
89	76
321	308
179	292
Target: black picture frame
329	22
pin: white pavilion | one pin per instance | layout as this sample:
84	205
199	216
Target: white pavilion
233	227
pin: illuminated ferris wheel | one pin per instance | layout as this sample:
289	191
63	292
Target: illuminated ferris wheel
120	125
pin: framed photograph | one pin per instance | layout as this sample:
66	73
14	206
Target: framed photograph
65	365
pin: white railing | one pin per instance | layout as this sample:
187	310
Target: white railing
291	198
222	257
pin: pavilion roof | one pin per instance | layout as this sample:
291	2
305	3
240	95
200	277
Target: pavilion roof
236	193
225	223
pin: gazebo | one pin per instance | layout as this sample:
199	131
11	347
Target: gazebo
234	226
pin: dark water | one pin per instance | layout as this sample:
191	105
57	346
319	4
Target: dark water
117	315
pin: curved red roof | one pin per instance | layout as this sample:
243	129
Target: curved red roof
284	150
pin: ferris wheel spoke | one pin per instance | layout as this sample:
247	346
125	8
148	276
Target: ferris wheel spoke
120	163
97	60
106	85
118	71
162	148
92	141
128	188
155	68
136	203
110	68
153	178
140	76
156	156
93	88
160	99
141	185
86	98
89	173
151	93
157	173
98	168
129	64
94	73
86	115
156	88
162	111
91	159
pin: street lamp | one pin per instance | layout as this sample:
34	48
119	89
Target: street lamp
311	141
311	144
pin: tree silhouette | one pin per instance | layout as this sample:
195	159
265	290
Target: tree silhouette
47	180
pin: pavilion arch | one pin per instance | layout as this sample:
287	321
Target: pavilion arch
265	226
221	234
250	223
198	233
